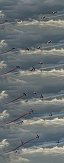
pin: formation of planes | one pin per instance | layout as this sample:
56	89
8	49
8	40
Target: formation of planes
24	94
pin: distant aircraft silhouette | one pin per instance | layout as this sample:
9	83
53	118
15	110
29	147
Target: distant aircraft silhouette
35	93
33	69
12	48
27	49
44	17
37	136
41	96
40	62
31	111
54	12
24	94
38	47
6	20
18	67
50	114
58	141
49	42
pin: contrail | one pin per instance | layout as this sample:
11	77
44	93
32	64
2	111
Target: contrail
23	143
7	51
28	113
12	70
16	98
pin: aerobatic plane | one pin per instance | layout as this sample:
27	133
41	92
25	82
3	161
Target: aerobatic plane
54	12
50	41
40	62
27	49
33	68
41	96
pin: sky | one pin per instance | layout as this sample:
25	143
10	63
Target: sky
32	35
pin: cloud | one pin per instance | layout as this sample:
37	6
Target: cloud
29	8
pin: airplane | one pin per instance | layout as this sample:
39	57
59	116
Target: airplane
41	96
35	93
6	20
40	62
31	111
18	67
50	114
19	122
33	69
49	42
58	141
16	151
38	47
37	136
24	94
12	48
27	49
44	17
54	12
